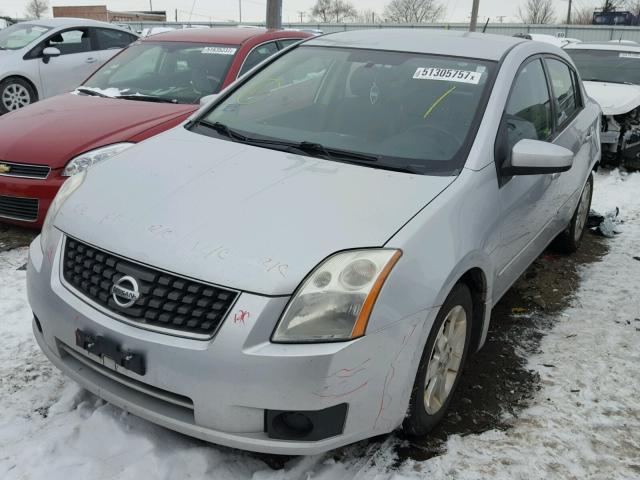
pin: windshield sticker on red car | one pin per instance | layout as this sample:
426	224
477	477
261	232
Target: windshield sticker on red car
218	50
629	55
448	74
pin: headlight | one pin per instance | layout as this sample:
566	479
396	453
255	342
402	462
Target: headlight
335	300
67	188
86	160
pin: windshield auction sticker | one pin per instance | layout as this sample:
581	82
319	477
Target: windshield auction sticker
218	51
629	55
448	74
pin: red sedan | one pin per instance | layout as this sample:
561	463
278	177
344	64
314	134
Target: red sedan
151	86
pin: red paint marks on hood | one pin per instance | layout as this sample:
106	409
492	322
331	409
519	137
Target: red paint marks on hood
53	131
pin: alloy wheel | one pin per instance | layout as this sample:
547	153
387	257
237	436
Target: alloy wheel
15	96
445	360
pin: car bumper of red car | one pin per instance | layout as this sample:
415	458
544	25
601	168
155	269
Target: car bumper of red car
25	201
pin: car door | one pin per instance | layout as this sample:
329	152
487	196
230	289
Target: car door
526	206
110	41
78	59
575	130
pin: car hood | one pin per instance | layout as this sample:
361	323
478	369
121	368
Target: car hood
244	217
614	98
53	131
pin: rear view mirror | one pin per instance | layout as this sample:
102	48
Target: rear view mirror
533	157
51	52
207	99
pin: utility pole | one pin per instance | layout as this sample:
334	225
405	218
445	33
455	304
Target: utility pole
301	13
240	11
151	5
474	15
176	15
569	14
274	13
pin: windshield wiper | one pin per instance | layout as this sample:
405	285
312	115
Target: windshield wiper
304	147
147	98
88	91
606	81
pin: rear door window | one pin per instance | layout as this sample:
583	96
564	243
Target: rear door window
108	38
565	91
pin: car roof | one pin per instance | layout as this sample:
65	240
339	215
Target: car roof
417	40
225	35
70	22
613	46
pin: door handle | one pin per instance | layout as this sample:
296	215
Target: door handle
91	60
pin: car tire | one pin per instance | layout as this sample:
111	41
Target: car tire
569	240
441	363
15	93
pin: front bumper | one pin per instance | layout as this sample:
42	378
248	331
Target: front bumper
220	390
44	190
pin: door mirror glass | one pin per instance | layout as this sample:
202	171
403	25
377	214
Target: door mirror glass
208	98
51	52
533	157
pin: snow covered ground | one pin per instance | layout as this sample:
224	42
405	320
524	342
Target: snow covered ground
583	423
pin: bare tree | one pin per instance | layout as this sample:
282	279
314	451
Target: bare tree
322	10
370	16
35	8
582	16
610	5
536	12
333	10
414	11
633	6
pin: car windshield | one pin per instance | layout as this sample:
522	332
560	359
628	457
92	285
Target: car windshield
401	111
20	35
607	65
177	72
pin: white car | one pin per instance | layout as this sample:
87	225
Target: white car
611	75
42	58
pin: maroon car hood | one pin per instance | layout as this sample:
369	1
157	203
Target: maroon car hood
53	131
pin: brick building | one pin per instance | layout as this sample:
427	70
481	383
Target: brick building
100	12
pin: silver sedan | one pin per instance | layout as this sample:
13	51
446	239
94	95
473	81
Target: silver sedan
311	259
42	58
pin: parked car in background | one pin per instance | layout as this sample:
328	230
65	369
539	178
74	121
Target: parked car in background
310	259
553	40
611	75
148	31
43	58
153	85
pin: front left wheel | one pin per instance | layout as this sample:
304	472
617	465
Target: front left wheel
15	93
441	364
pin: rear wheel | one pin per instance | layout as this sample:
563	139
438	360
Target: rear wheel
15	93
569	240
441	363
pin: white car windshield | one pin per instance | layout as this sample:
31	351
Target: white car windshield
20	35
611	66
404	111
177	72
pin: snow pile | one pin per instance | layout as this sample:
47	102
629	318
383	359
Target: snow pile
584	423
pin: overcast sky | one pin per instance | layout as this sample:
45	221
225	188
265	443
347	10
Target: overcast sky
254	10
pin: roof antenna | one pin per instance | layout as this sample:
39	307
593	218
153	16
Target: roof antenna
484	29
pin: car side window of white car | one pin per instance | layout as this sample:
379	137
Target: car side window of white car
70	41
528	113
565	91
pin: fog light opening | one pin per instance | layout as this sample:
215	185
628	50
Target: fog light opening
292	424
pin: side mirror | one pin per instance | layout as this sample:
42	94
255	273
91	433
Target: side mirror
50	52
207	99
533	157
